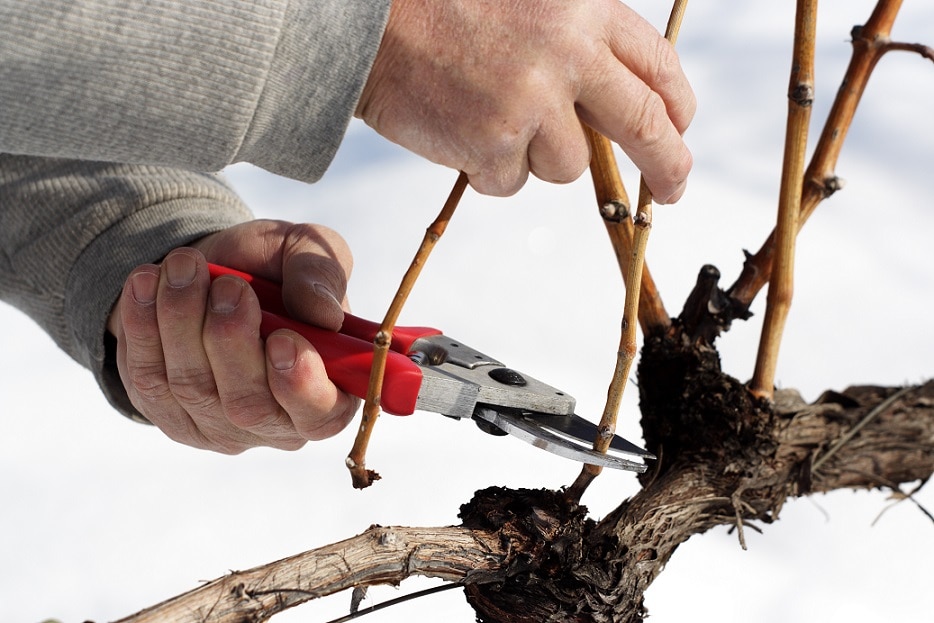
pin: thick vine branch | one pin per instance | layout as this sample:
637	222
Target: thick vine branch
378	556
531	555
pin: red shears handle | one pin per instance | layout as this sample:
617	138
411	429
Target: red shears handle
348	354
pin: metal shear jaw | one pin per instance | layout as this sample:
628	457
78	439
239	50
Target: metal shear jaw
459	381
527	428
455	383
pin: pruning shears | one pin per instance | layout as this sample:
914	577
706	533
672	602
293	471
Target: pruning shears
429	371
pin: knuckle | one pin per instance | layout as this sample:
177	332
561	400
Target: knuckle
148	380
563	167
667	65
652	125
502	171
195	389
251	410
326	241
191	437
496	184
142	335
683	165
297	444
217	435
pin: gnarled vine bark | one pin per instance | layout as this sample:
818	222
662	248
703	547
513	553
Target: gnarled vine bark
725	459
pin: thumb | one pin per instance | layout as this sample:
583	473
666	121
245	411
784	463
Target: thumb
314	281
315	302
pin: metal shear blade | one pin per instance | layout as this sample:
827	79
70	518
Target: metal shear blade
578	428
460	382
530	430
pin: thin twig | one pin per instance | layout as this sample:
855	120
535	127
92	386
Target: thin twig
897	493
356	460
628	345
613	203
925	51
800	98
736	501
395	602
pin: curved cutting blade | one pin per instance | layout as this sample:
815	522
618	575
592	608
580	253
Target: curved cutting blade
585	431
525	428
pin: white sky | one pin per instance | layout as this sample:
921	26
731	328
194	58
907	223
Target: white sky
101	517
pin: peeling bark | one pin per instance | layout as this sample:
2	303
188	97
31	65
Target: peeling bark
378	556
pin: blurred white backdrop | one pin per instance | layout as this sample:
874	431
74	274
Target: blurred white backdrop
101	517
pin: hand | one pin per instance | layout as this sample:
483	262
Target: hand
498	88
189	351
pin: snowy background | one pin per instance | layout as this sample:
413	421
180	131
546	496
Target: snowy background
100	517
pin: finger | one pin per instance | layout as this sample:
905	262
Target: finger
181	305
141	362
653	60
237	359
559	151
499	181
497	160
299	382
618	104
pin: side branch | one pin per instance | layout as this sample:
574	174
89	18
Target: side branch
870	43
362	477
800	99
925	51
633	274
378	556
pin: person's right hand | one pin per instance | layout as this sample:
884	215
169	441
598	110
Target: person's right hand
498	88
189	350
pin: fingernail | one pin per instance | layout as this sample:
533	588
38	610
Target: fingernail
282	351
179	269
326	293
143	287
225	295
329	313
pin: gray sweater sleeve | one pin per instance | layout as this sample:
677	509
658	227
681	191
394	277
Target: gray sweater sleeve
197	84
169	87
72	231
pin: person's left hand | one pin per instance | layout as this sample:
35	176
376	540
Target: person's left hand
498	89
189	350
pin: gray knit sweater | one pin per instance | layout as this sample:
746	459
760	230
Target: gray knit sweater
169	89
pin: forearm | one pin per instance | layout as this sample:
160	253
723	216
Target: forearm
72	231
197	84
